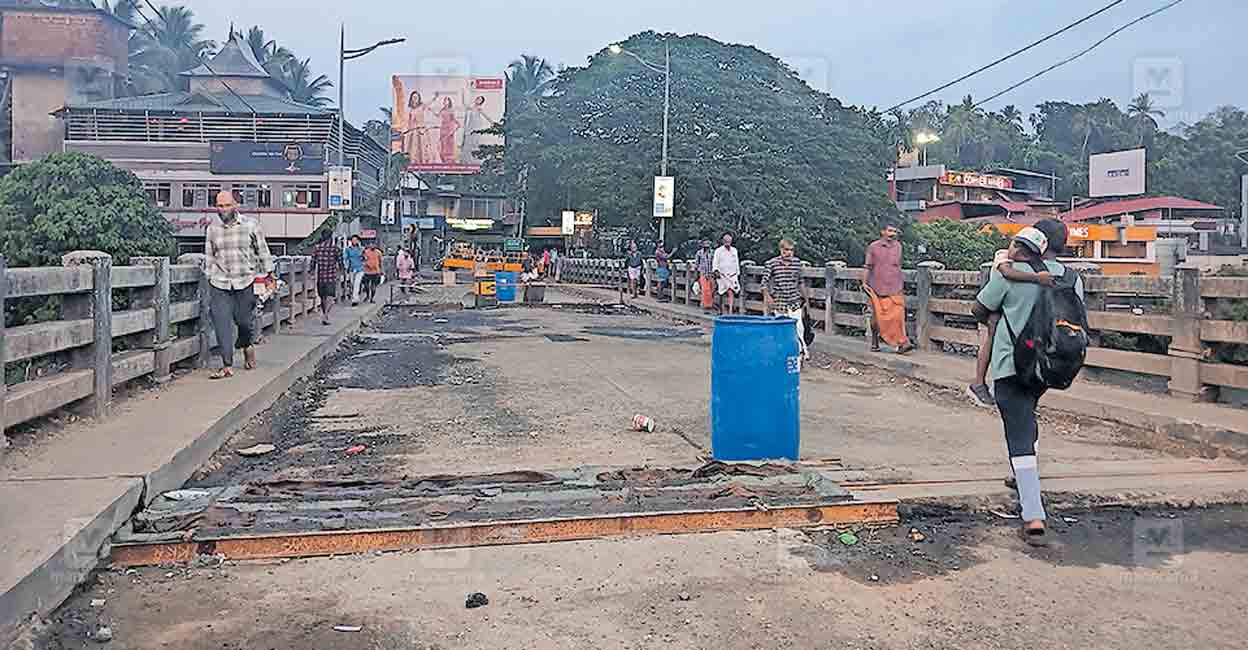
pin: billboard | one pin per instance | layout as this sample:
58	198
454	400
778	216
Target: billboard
436	118
1117	173
664	196
293	158
340	179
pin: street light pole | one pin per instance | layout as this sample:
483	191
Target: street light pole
342	66
666	71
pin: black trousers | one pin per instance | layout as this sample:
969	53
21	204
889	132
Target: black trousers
1017	404
232	308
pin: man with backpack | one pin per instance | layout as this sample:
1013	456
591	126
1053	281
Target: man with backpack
1040	343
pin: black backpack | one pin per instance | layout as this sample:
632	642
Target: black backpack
1050	350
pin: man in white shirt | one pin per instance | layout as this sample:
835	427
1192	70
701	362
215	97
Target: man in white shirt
727	268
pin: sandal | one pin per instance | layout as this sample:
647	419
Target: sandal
223	373
1036	536
249	358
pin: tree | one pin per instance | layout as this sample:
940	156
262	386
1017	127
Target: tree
529	76
303	87
959	246
268	53
177	39
964	125
1011	116
74	201
1143	112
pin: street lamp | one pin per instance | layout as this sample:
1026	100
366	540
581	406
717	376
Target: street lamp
666	71
1242	156
924	138
345	55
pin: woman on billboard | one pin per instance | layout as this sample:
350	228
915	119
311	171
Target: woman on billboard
416	141
446	136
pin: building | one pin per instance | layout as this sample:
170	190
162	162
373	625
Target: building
1171	216
443	215
932	192
236	129
50	57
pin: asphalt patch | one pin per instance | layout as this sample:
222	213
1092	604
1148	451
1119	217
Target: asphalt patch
564	338
644	333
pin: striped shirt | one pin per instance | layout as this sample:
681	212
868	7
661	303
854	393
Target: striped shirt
782	278
236	253
326	258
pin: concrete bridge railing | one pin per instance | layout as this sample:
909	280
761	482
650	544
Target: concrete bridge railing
114	324
1175	330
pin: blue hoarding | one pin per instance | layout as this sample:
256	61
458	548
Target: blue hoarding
294	158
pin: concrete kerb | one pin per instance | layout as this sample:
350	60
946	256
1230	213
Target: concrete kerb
1070	402
52	581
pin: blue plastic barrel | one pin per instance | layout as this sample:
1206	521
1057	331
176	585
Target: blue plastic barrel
754	388
505	285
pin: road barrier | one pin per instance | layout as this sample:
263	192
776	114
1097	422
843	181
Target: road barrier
1172	329
91	347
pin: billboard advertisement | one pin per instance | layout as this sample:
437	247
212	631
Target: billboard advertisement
664	196
293	158
436	119
1117	173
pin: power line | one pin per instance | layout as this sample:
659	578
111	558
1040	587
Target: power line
1080	53
1007	56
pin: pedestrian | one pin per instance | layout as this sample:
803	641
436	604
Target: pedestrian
554	264
1003	263
545	263
372	271
726	265
327	260
885	291
662	272
783	291
1016	399
706	275
235	253
353	261
633	262
405	265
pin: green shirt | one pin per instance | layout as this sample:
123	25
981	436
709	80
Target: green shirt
1015	301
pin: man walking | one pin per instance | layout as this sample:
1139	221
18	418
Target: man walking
326	260
783	291
235	253
884	286
353	261
726	265
1015	399
633	263
372	271
706	275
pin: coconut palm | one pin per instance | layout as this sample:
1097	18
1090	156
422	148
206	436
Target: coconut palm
1012	116
268	53
529	76
1142	111
963	126
304	88
175	31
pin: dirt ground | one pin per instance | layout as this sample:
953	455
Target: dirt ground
434	390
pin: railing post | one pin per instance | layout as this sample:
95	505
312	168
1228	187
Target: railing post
691	276
203	323
159	300
923	309
286	273
645	278
275	304
98	306
1186	350
829	303
4	291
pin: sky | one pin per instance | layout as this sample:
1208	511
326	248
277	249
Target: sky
864	53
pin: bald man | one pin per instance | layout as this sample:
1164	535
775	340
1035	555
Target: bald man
236	253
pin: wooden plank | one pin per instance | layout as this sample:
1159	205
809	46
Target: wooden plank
183	311
970	278
133	321
1224	331
955	335
1141	362
853	297
817	293
493	533
48	280
851	320
1142	285
31	399
184	274
1223	287
1224	374
951	306
853	275
38	339
183	348
131	277
812	272
1127	322
132	365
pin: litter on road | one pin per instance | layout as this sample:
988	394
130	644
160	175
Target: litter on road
475	600
256	450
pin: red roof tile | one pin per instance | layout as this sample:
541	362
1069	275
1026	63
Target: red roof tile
1114	208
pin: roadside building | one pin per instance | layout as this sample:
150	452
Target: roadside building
932	192
444	215
236	129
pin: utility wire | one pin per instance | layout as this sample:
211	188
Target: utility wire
1080	53
1007	56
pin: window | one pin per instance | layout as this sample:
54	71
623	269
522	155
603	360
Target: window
277	248
302	196
413	207
212	190
160	194
480	208
195	195
254	195
190	247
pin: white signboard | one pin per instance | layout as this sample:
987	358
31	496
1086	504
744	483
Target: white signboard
664	196
1119	173
569	223
339	188
387	212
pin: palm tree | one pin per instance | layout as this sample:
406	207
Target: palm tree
1142	110
303	87
1083	121
900	130
268	53
175	31
1012	116
529	76
963	125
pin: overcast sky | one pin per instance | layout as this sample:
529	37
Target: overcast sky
873	53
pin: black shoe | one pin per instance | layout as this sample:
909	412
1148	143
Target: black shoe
980	395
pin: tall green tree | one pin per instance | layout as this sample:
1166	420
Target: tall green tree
1144	112
177	38
268	53
304	88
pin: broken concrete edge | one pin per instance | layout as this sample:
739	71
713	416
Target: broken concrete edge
1071	403
45	588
